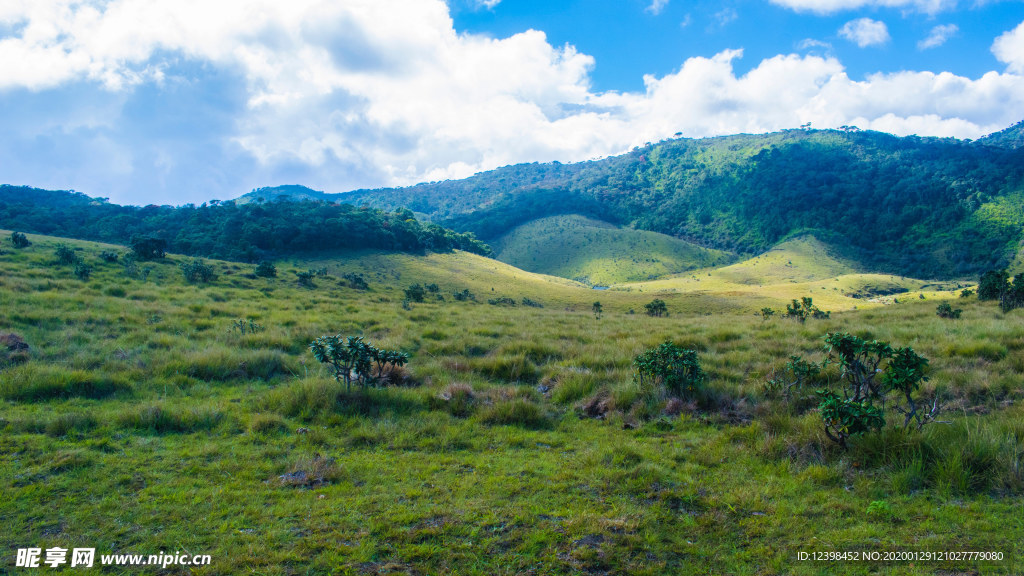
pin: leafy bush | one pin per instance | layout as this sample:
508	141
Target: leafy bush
306	278
20	240
109	256
992	284
598	310
351	357
671	366
246	327
83	271
797	374
531	303
197	271
966	293
148	248
767	313
656	308
65	254
415	293
464	296
866	386
266	269
503	301
433	288
805	308
944	310
356	281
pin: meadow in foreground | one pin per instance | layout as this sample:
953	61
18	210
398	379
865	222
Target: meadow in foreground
142	419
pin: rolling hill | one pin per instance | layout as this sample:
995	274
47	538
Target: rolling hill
596	252
928	207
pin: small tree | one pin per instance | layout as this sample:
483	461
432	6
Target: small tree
306	278
805	308
352	358
656	308
148	248
966	293
197	271
992	284
20	240
670	365
598	310
415	293
464	296
266	269
766	313
944	310
356	281
83	271
65	254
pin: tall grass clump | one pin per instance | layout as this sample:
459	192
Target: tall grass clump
35	383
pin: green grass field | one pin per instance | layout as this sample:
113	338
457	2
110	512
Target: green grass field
141	420
599	253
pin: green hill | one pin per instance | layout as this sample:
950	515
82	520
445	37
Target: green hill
597	252
903	205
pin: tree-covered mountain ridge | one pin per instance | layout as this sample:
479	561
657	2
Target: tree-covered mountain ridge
918	206
229	230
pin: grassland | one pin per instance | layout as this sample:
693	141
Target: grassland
599	253
144	422
799	267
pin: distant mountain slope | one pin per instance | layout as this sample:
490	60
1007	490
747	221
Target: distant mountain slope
597	252
1012	137
907	205
291	192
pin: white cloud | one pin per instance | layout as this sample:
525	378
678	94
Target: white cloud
488	4
938	36
1009	49
657	6
725	16
386	92
832	6
865	32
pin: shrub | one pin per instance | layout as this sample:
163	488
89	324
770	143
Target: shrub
65	254
197	271
246	327
20	240
797	374
669	365
656	308
353	357
805	308
866	386
944	310
415	293
598	310
767	313
464	296
148	248
503	301
109	256
966	293
266	270
992	284
83	271
433	288
306	278
531	303
356	281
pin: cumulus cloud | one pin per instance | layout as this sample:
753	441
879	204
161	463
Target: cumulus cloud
938	36
832	6
657	6
1009	49
865	32
187	102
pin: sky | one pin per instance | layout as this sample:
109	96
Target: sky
178	101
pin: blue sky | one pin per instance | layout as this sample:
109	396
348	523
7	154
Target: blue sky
175	101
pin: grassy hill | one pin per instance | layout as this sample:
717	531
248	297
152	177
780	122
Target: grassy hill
142	419
596	252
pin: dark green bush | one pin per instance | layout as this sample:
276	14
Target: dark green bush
415	293
83	271
656	308
65	254
197	271
109	256
671	366
266	269
20	240
351	357
944	310
148	248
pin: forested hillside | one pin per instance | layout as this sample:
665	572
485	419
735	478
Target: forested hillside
224	229
908	205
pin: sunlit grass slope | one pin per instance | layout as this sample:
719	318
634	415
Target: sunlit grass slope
144	421
796	268
600	253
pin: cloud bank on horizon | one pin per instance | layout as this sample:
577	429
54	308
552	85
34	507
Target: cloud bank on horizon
174	101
